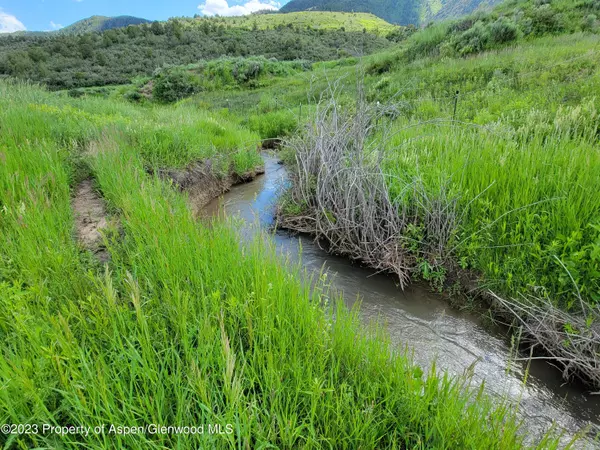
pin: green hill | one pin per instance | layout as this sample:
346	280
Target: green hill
320	20
403	12
76	59
101	23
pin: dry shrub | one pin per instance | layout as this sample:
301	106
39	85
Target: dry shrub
339	183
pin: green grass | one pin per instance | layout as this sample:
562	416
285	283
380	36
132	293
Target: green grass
526	180
319	20
523	159
175	83
184	327
166	137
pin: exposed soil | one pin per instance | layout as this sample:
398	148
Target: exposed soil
202	185
90	219
271	144
197	180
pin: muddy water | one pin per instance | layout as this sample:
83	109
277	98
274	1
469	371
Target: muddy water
423	321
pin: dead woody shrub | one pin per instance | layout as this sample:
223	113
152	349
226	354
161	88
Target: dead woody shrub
339	183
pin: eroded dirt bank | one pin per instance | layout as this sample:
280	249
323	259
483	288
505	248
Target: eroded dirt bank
90	219
197	180
202	185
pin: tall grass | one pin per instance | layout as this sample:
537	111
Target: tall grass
167	137
184	327
526	202
521	155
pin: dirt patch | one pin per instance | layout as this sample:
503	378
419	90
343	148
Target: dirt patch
90	219
202	185
272	144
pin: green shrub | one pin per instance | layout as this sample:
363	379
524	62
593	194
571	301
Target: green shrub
462	25
545	20
503	30
226	71
134	96
401	33
427	41
76	93
380	66
223	73
175	84
474	40
592	4
590	23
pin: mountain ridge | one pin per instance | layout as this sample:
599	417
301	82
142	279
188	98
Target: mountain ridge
101	23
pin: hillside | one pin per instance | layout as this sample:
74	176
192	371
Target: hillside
101	23
116	56
402	12
320	20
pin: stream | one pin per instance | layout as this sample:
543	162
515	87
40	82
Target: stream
422	320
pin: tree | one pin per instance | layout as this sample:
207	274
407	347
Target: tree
157	28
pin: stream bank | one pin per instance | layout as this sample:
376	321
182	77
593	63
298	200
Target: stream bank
202	185
420	320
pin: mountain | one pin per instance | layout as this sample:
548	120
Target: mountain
101	23
402	12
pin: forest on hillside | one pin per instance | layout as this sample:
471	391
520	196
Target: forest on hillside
117	56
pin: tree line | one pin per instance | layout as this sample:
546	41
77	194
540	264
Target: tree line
117	56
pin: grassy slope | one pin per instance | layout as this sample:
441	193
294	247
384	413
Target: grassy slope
403	12
184	328
319	20
536	102
539	151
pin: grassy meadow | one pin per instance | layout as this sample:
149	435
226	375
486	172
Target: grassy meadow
182	326
493	131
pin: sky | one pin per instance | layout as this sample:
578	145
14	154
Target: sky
47	15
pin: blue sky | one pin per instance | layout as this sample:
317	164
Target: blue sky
43	15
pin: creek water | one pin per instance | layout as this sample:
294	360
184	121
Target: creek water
423	321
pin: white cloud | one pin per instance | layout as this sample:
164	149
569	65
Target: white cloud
9	23
222	8
55	26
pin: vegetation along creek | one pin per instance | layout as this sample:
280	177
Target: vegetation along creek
416	318
338	225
